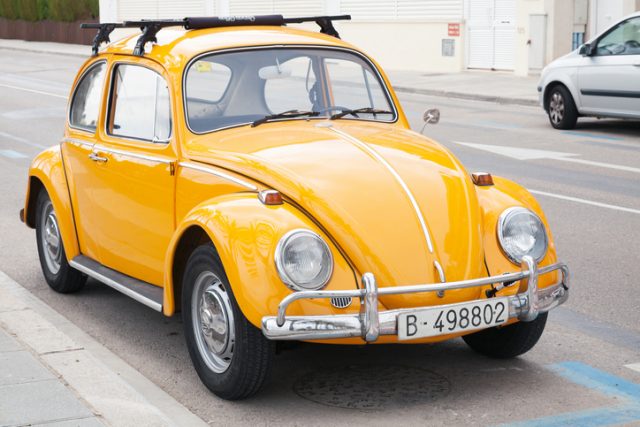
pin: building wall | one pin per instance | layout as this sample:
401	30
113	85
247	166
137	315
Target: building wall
400	34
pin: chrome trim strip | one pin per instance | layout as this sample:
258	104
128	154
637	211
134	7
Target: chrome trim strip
525	305
441	275
117	286
382	81
219	174
98	148
78	142
87	70
396	175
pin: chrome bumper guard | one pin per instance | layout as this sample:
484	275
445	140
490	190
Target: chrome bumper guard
370	323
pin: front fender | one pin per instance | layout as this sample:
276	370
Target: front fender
493	201
245	233
47	171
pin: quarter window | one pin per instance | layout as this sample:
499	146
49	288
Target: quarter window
85	107
140	106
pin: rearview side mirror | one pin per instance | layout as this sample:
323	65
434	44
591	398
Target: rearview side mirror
587	49
432	116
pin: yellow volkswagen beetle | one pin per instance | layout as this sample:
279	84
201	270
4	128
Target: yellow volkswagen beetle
264	181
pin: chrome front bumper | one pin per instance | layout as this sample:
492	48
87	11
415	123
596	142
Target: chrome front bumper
370	323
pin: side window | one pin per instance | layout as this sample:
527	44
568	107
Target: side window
290	85
87	98
622	40
140	106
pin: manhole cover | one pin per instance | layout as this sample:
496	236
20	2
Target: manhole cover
371	387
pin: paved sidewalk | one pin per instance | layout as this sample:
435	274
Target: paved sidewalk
52	373
494	86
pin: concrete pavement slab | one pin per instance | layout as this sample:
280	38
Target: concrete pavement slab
78	422
18	367
37	402
7	343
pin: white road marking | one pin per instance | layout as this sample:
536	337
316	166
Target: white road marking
534	154
12	154
585	201
633	366
34	91
20	139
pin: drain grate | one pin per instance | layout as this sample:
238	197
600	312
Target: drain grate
371	387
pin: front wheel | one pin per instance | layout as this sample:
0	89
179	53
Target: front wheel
230	355
561	108
60	276
507	341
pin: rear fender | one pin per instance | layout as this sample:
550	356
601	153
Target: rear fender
245	233
47	173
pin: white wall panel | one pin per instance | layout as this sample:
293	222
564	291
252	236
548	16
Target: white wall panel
403	9
155	9
282	7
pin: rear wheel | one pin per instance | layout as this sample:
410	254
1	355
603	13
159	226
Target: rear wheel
230	355
508	341
60	276
561	108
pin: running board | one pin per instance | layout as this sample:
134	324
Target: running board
143	292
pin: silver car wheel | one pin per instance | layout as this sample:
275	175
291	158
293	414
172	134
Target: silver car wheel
50	238
213	323
556	108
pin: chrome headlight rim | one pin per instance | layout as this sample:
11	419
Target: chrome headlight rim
280	268
502	220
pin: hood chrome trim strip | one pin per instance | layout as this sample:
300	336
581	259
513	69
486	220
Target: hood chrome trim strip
365	147
219	174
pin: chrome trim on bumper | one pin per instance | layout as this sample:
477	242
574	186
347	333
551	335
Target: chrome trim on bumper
371	323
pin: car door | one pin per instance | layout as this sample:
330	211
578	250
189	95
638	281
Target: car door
609	80
132	182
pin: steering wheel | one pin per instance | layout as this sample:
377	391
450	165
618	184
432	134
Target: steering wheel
632	43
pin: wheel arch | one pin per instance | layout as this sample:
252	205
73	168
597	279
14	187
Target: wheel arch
47	174
559	82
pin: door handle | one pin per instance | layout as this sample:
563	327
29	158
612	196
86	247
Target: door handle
96	158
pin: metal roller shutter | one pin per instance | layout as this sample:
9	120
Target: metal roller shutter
283	7
157	9
403	9
492	34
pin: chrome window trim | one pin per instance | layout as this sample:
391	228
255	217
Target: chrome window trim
91	131
101	148
503	218
78	142
114	66
366	59
219	174
365	147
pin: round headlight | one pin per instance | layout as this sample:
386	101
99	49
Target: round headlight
303	260
522	233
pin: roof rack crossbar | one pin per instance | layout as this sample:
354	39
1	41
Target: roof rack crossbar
151	27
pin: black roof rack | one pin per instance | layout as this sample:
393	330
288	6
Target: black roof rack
151	27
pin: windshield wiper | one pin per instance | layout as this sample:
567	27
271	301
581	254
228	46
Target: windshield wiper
355	112
285	115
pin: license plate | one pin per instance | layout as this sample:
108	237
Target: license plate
428	322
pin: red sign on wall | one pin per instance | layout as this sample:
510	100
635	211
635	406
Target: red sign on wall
454	30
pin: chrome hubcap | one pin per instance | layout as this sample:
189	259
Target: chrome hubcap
213	321
50	239
556	108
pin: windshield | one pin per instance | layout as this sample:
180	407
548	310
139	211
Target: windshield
237	88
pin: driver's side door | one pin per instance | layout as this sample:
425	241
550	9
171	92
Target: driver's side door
609	81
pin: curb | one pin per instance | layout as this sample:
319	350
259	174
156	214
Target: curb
468	96
116	392
46	51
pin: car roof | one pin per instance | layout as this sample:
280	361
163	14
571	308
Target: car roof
176	46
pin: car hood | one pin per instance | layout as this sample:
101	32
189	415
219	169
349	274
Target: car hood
373	187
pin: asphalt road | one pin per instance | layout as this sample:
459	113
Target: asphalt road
586	180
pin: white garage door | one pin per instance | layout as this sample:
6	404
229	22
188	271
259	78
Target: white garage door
492	34
160	9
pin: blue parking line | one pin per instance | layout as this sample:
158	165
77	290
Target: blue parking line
12	154
592	135
626	392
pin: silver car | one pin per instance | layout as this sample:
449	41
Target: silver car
600	79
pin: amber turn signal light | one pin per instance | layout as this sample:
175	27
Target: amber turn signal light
270	197
482	179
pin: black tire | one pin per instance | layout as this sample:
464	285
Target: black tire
508	341
561	108
60	276
249	364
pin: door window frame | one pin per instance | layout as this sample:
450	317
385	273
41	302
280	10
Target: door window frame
84	74
110	107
